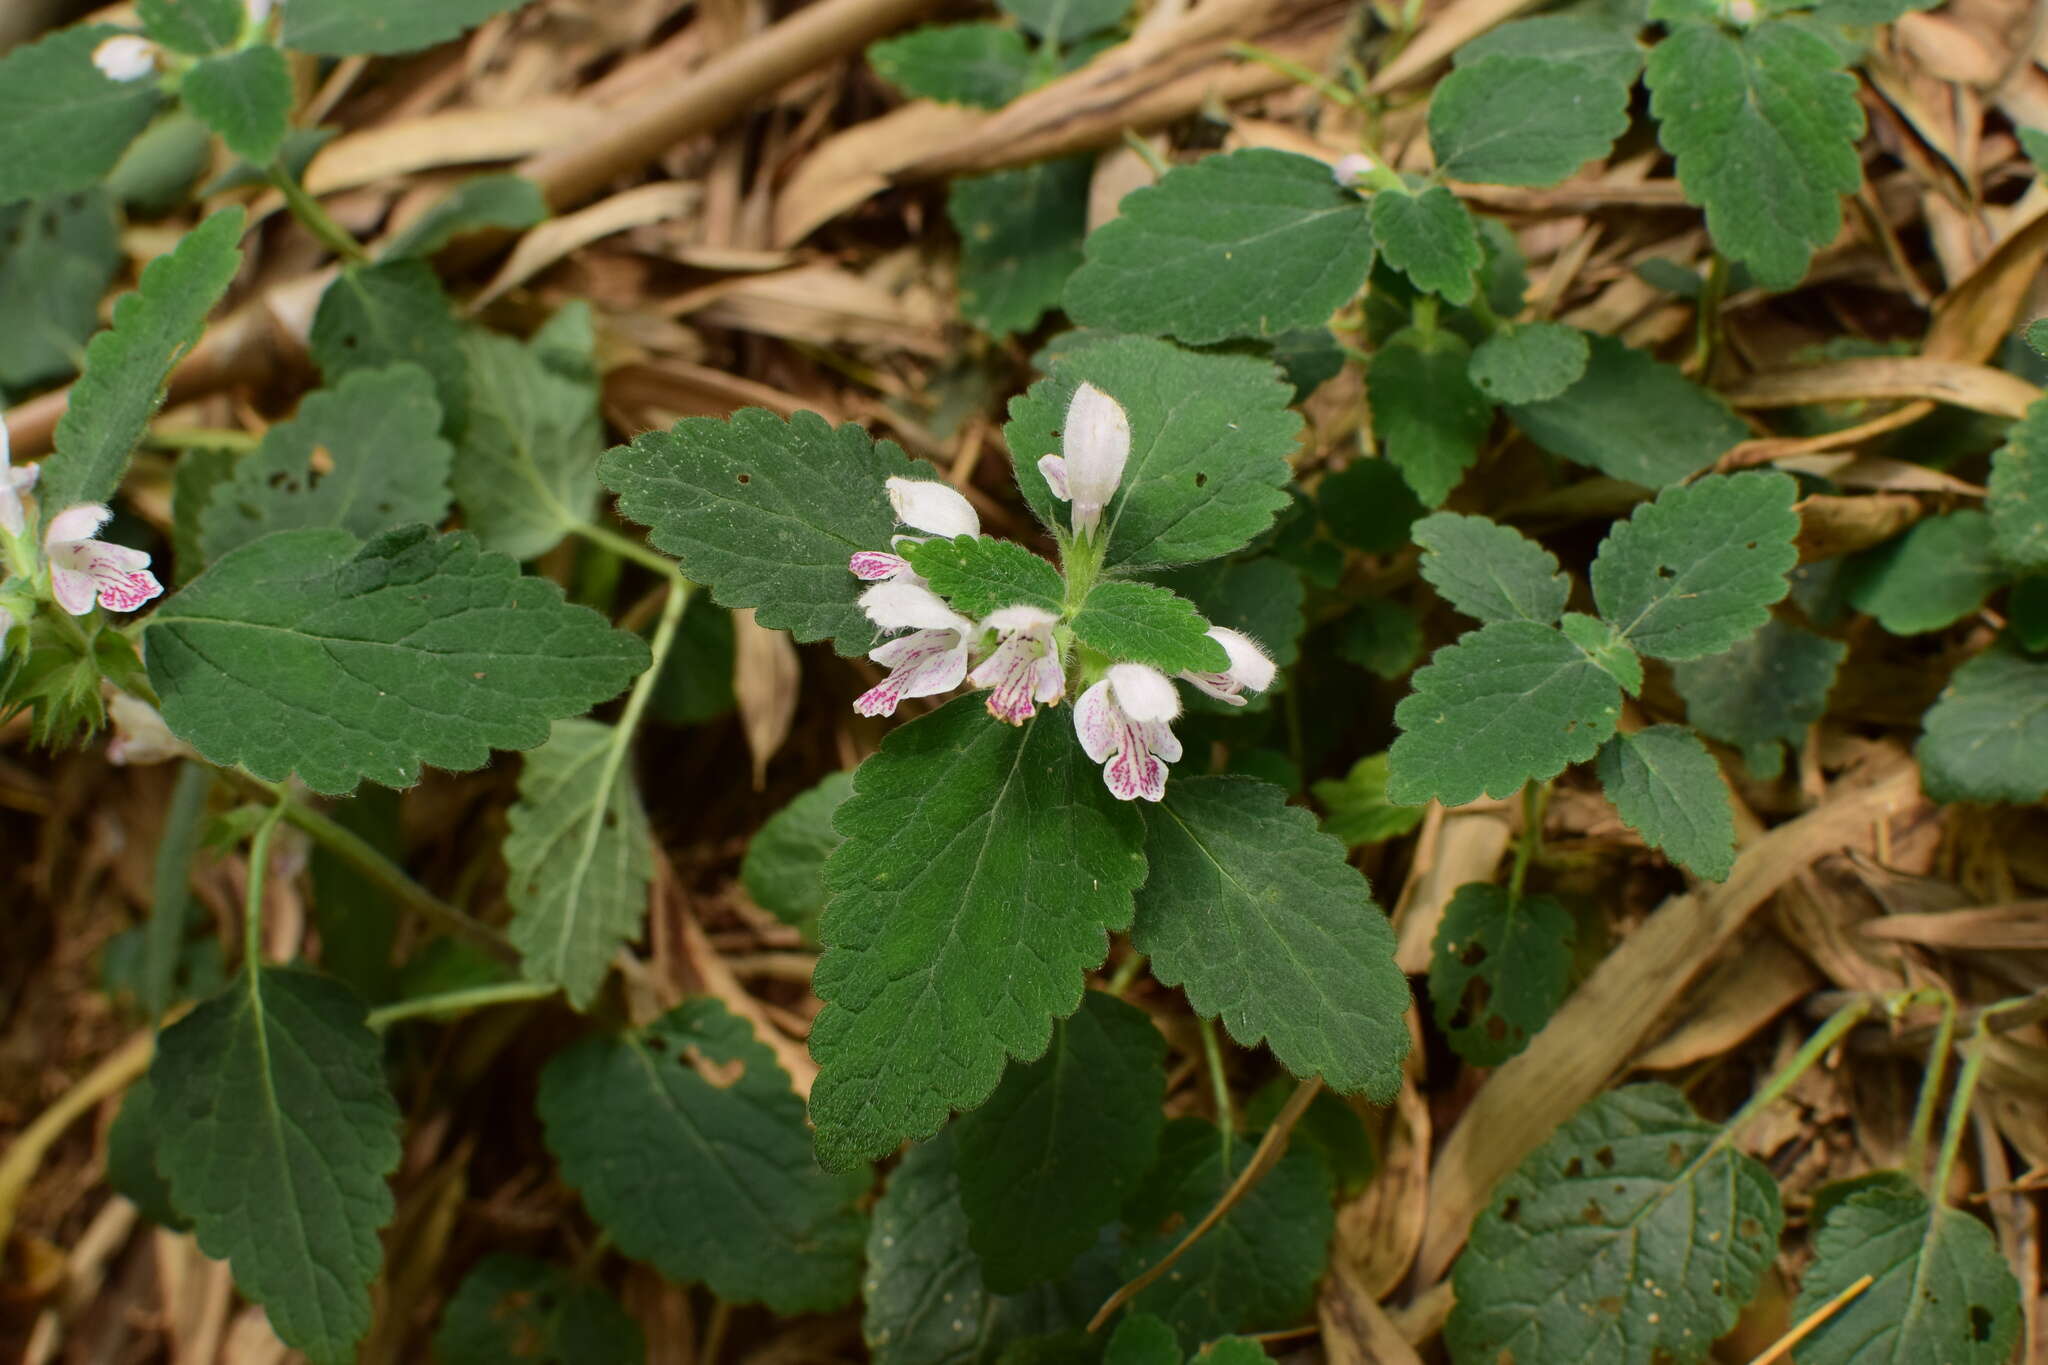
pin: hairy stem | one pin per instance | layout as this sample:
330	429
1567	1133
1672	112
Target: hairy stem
460	1002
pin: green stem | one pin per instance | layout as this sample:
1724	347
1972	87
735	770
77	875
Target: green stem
316	219
252	900
1423	315
460	1002
1296	72
1535	799
1930	1084
1126	972
1219	1085
625	547
202	438
1824	1037
1966	1089
1158	164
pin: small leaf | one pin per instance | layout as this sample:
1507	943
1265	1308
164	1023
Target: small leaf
1605	646
127	366
1369	506
1667	786
1425	411
689	1148
1940	1289
244	96
346	28
767	513
515	1308
1250	243
1020	240
1928	579
1489	571
1509	703
276	1135
1148	624
2018	501
57	257
1610	50
1061	22
982	65
577	848
1382	637
1986	738
1429	238
784	868
980	574
1528	362
1632	417
1696	571
507	201
1052	1156
378	315
1359	813
63	125
1636	1231
193	27
364	456
1210	437
1142	1339
1769	688
984	867
312	654
1256	914
1498	969
1763	127
1510	120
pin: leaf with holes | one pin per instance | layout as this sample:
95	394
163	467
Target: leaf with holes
1498	969
1149	624
517	1308
378	315
1636	1231
1489	571
1766	692
689	1148
981	65
1632	417
57	257
1020	240
63	125
1514	120
1666	785
1428	237
1426	413
1986	738
980	574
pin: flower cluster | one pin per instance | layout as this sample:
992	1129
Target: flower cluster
81	570
1020	653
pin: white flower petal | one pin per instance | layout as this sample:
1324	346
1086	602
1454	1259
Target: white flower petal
1135	775
934	507
1097	723
1054	471
1249	666
1096	441
125	58
898	605
75	591
1349	168
1143	692
1019	618
78	522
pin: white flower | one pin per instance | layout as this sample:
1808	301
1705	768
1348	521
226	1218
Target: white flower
1122	722
1095	441
938	509
140	735
1024	669
931	659
13	483
259	10
82	568
1249	669
1352	167
125	58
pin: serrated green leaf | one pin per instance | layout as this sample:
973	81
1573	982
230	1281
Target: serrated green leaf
244	96
1940	1289
1255	913
1605	646
1636	1231
1696	571
1509	703
57	257
1426	413
784	868
1247	244
507	201
1369	506
2026	609
1064	21
196	476
767	513
1528	362
63	125
346	28
1498	969
1430	238
1148	624
984	867
1986	738
364	456
2018	487
1507	120
1142	1339
578	850
704	1174
1052	1156
1632	417
1359	812
131	1158
394	312
1929	578
980	574
516	1308
1260	598
1020	240
926	1300
528	453
1490	572
193	27
127	366
1610	50
2037	330
276	1133
1667	787
1257	1268
311	653
1763	127
982	65
1769	688
1382	637
1210	437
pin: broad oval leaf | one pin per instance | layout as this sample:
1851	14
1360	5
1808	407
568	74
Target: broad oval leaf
1430	238
1578	39
1489	571
61	254
1511	120
373	316
346	28
1427	414
63	125
1528	362
1667	786
246	97
193	27
1986	738
2018	492
517	1308
1020	240
1931	577
984	66
1498	969
1765	692
1632	417
1150	624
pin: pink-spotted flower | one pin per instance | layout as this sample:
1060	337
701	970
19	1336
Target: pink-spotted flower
82	568
125	57
929	660
1023	670
13	483
1122	722
938	509
1249	669
1094	443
